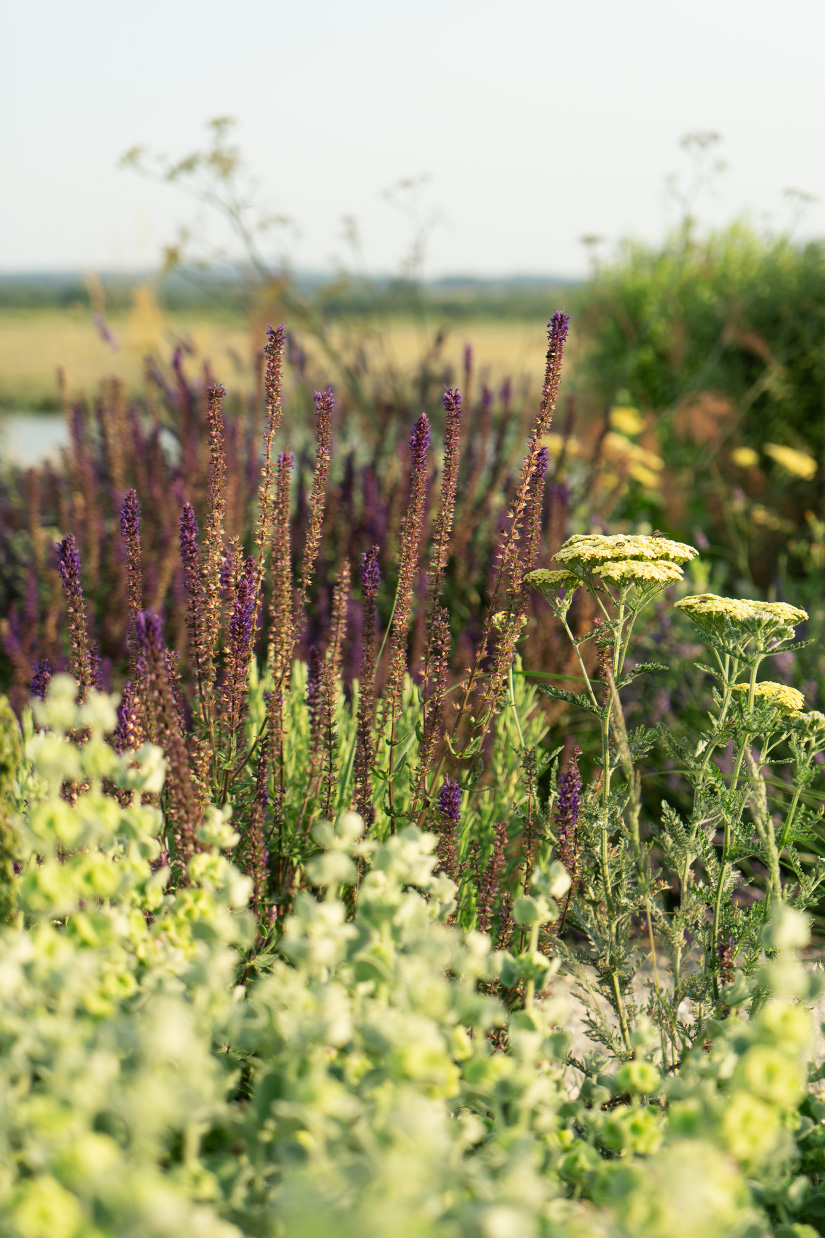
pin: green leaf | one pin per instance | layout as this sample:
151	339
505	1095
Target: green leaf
572	698
635	671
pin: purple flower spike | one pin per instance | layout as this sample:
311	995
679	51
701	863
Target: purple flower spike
68	564
559	326
449	800
420	439
189	538
130	517
148	630
84	658
370	572
567	814
242	623
127	731
451	400
41	677
541	463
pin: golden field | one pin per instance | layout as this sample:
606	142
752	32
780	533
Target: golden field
35	343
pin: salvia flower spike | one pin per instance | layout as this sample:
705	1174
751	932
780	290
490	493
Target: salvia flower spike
84	658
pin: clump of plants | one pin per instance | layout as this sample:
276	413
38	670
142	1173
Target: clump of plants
355	904
364	1073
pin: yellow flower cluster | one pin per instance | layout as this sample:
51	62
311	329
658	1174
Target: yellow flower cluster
788	699
623	570
710	606
549	583
595	549
792	460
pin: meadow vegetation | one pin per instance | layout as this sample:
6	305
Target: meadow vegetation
352	749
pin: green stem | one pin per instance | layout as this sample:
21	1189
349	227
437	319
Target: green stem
532	946
575	645
723	868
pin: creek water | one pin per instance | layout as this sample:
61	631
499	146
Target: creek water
27	439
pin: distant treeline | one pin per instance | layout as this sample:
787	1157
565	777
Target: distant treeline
455	297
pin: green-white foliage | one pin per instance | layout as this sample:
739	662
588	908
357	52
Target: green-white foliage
502	795
361	1079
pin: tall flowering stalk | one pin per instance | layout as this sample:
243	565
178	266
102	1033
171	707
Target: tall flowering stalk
533	518
434	687
329	781
281	638
340	604
449	815
193	586
568	807
241	638
214	534
183	811
365	738
489	881
84	660
273	376
443	526
324	407
509	572
437	648
127	734
253	851
130	532
407	572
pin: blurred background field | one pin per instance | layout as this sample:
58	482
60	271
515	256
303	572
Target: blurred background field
36	343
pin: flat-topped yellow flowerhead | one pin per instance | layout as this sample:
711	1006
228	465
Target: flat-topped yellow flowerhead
595	549
548	582
708	608
660	571
788	700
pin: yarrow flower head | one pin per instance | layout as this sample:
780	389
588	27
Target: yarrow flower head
786	699
708	610
557	587
624	570
596	549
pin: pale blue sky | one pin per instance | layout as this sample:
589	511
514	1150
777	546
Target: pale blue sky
536	121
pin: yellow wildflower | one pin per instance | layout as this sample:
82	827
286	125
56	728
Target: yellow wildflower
745	457
626	420
645	476
594	549
622	570
770	520
788	700
792	460
549	583
502	619
709	606
619	445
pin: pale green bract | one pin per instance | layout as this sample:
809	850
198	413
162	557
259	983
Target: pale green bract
156	1080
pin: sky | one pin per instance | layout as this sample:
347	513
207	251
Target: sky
524	126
